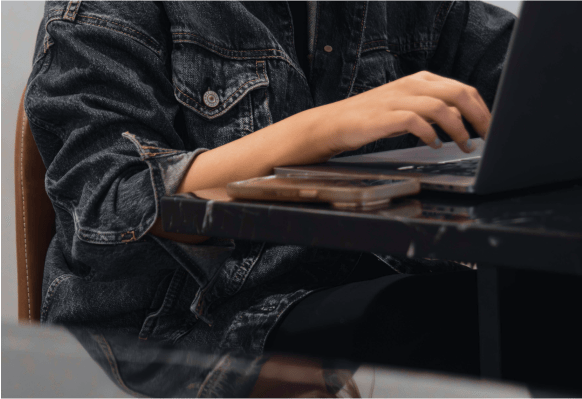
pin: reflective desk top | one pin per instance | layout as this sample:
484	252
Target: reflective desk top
537	229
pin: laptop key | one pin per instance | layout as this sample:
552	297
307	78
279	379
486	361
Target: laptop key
466	167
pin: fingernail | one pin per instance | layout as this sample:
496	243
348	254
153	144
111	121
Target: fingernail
437	143
468	145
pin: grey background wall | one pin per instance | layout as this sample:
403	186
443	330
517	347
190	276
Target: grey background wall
20	21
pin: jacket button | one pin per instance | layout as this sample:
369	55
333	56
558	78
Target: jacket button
327	49
211	99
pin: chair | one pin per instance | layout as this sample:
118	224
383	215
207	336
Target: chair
35	220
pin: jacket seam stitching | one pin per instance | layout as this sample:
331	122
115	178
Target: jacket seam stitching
106	349
423	46
358	52
445	6
75	10
176	284
208	47
226	107
268	109
279	315
114	30
161	151
42	124
247	270
51	291
318	5
222	48
375	48
214	375
123	26
158	53
86	233
46	45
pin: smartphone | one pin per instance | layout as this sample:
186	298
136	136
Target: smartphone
340	191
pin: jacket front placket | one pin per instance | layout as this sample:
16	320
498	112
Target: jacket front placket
339	34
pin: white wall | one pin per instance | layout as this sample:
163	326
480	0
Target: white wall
20	21
511	6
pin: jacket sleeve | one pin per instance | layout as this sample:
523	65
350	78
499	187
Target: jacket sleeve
473	44
102	111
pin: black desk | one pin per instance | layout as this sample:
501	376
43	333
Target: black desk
527	244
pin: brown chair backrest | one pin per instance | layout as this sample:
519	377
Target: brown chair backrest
35	220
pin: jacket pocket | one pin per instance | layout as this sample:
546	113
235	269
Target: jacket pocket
227	96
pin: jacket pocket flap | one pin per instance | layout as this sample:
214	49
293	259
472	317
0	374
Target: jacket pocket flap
210	84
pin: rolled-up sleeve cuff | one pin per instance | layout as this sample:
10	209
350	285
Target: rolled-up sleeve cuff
167	168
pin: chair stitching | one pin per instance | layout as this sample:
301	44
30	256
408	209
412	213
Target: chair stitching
24	212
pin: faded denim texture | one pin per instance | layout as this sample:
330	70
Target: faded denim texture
115	102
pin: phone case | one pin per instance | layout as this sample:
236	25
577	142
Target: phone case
340	191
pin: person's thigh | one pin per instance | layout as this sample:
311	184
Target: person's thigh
423	321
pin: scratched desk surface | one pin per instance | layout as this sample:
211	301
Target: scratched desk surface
539	229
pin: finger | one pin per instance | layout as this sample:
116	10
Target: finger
408	121
432	109
437	78
466	98
453	110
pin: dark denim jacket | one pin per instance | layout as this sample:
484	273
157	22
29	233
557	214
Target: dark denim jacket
116	105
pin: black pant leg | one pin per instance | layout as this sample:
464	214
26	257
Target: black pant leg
421	321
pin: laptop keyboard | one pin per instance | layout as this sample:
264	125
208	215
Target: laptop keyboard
467	167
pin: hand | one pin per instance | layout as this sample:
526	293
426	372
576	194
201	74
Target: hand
408	105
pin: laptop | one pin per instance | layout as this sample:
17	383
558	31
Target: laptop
535	135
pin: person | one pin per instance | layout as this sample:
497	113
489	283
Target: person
132	101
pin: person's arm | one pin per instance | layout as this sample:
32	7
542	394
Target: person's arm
409	104
101	106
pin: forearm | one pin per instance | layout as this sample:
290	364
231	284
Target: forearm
299	139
